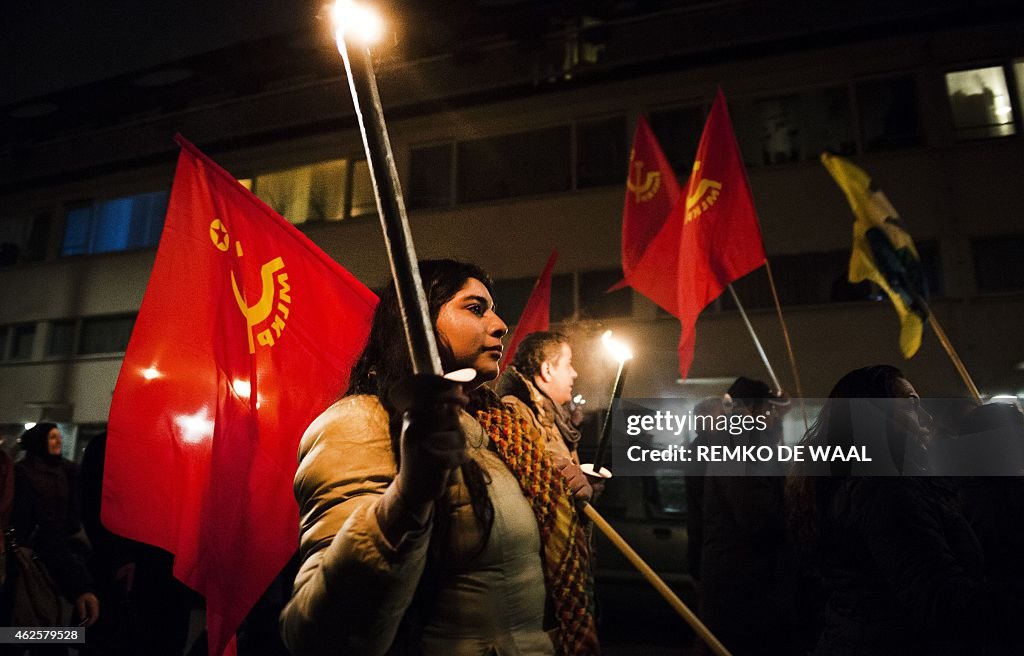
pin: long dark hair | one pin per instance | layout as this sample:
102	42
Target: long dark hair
385	361
806	495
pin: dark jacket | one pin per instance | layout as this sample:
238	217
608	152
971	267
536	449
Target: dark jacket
994	507
747	596
48	518
902	570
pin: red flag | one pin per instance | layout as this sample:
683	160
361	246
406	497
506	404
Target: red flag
536	315
710	238
246	332
651	193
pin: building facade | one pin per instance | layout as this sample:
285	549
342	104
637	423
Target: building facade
511	127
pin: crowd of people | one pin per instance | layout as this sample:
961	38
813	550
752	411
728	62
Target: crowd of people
423	531
845	564
71	571
440	516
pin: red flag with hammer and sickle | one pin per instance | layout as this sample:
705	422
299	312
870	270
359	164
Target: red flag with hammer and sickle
247	331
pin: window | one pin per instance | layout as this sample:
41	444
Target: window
596	302
430	176
13	235
997	263
601	155
563	297
315	192
980	103
1018	76
801	279
105	334
520	164
22	338
115	225
888	112
61	342
511	296
794	128
23	239
819	278
362	201
511	165
678	132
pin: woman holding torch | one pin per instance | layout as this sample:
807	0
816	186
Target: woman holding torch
431	522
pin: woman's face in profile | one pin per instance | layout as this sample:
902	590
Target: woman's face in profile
54	442
908	418
469	332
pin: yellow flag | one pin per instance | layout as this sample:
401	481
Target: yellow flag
883	251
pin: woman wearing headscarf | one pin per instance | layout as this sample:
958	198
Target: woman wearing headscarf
48	517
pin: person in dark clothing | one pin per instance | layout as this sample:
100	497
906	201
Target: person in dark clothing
994	505
112	564
746	598
902	571
47	517
694	482
147	609
6	504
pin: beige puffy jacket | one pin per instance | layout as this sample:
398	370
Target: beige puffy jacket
353	586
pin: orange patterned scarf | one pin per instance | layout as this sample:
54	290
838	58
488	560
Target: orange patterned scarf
563	540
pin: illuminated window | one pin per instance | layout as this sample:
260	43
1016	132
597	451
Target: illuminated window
315	192
362	202
1018	74
980	103
118	224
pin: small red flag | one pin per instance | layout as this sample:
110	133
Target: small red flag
536	316
651	193
710	238
246	332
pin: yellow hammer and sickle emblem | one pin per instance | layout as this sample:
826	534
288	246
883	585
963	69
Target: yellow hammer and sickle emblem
219	235
259	312
704	187
646	186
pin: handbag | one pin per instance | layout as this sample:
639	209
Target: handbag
35	598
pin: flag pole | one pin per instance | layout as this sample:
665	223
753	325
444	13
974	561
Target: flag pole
948	346
656	581
789	345
753	335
